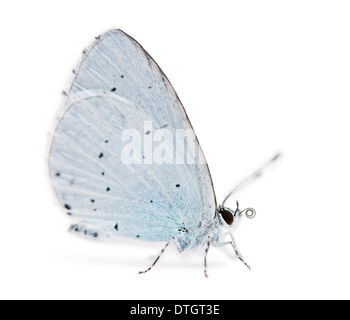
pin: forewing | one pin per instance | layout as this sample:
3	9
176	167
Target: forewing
117	88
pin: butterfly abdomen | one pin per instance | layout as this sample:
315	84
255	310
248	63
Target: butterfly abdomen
197	236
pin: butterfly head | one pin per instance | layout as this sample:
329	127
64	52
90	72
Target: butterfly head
228	215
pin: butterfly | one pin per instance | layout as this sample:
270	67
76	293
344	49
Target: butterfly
124	160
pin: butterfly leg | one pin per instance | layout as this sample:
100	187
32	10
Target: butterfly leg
205	257
155	261
232	243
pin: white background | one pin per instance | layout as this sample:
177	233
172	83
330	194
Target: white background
255	77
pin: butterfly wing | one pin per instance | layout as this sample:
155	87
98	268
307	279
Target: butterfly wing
119	91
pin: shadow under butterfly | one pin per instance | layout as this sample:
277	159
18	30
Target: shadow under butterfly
118	93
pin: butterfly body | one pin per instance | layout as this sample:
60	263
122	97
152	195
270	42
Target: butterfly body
197	236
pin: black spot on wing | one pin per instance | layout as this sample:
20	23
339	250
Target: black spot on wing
183	229
81	229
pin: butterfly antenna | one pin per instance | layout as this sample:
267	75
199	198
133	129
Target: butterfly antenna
256	174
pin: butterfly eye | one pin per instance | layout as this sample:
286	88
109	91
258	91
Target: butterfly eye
227	215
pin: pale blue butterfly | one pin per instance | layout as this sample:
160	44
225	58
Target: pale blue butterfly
117	87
